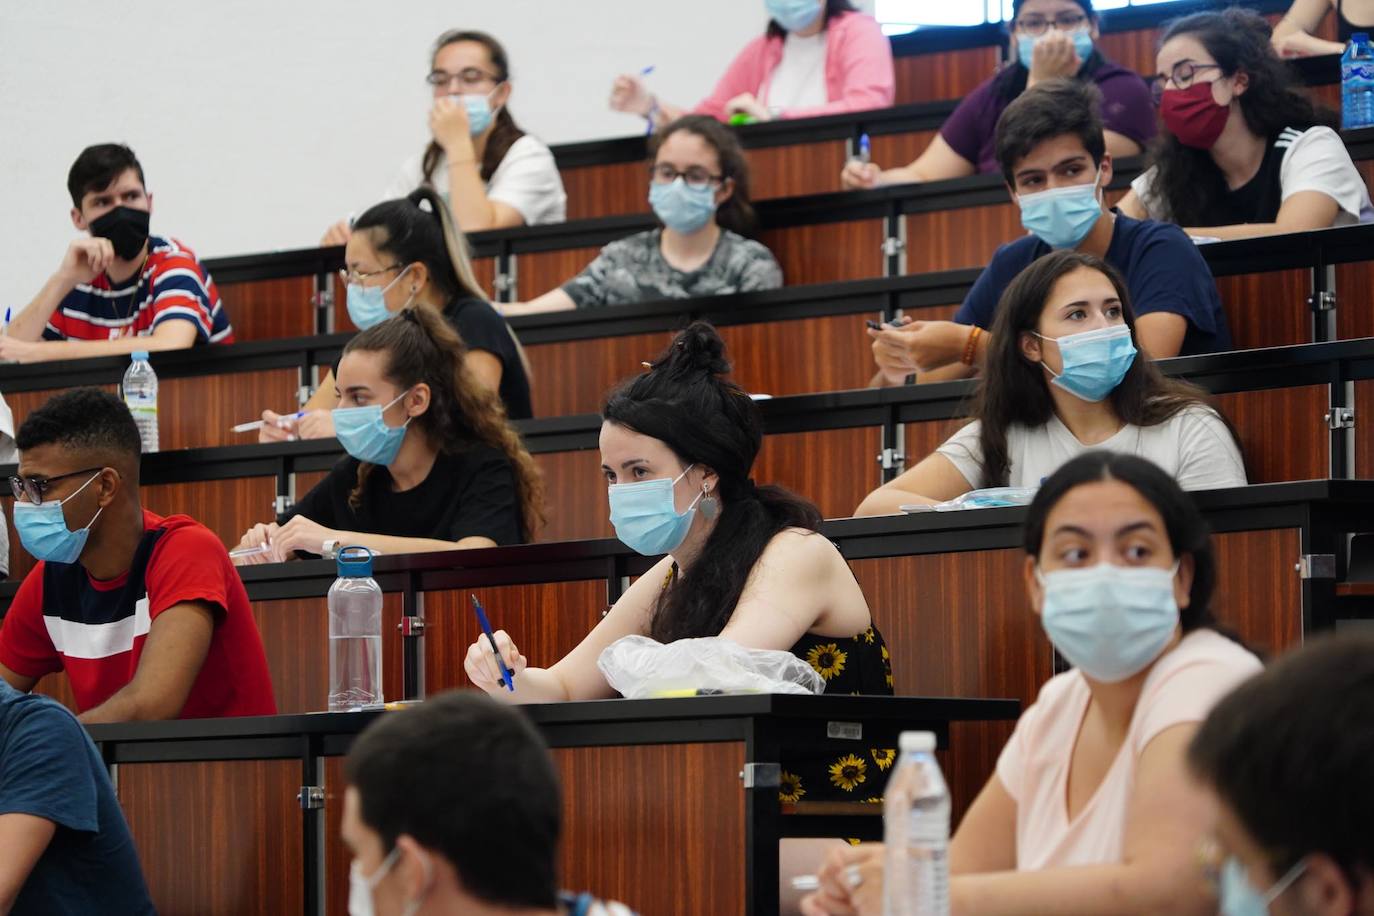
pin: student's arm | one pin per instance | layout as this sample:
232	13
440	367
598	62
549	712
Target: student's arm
1120	145
474	212
175	334
555	300
84	260
318	422
1160	334
937	163
934	480
952	373
986	839
1293	36
22	683
24	838
1302	212
300	533
486	367
788	591
173	653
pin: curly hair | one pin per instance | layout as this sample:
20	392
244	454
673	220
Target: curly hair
737	213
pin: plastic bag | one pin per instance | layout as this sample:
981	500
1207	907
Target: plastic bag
991	498
641	668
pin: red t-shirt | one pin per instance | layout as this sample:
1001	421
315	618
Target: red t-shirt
62	619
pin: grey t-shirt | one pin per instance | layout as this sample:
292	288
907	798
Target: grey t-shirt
632	270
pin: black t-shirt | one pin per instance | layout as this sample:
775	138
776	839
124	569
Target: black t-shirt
1259	199
471	494
483	328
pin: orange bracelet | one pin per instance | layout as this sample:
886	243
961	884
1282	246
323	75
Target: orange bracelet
971	345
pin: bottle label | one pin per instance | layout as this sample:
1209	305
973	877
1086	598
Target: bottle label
1358	71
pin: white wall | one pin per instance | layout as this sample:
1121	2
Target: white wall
258	123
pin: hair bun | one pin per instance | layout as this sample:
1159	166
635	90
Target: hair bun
697	350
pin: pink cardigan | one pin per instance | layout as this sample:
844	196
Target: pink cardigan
858	70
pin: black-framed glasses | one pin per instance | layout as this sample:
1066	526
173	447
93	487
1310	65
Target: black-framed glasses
32	489
694	176
357	276
1180	77
1039	25
467	78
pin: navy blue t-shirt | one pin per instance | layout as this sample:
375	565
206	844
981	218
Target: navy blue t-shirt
50	769
1163	269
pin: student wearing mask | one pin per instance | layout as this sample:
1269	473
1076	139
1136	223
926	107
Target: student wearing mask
699	190
1286	756
408	253
122	289
432	462
1064	376
411	854
1295	36
1050	39
1092	808
818	57
1244	152
1051	147
145	614
492	173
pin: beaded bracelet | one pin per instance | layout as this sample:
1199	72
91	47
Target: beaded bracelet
971	345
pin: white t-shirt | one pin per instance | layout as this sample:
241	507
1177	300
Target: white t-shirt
1182	688
527	180
1313	160
1194	446
799	79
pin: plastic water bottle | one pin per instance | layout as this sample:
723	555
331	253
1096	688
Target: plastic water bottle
140	395
355	633
1357	83
916	831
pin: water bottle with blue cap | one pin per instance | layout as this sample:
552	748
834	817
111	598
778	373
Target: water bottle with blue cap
139	389
355	633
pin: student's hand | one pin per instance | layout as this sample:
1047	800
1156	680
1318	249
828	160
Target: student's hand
890	351
300	533
746	103
12	349
851	883
1053	57
277	428
448	122
630	95
336	234
860	176
85	260
481	666
316	424
255	537
1303	44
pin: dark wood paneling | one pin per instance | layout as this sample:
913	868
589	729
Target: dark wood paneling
605	190
270	309
1301	452
946	239
835	469
227	507
1259	594
574	496
1267	310
892	150
1355	300
59	688
1364	431
538	273
828	252
305	482
790	171
1134	50
220	837
800	357
572	377
485	271
199	412
944	75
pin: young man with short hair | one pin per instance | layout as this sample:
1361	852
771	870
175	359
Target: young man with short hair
1054	159
1289	755
122	289
453	806
146	614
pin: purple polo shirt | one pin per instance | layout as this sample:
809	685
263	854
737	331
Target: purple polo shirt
1127	109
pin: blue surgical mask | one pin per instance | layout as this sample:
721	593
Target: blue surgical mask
645	516
1094	362
367	304
793	15
1062	217
1109	621
364	434
682	208
1082	45
1238	895
44	532
479	111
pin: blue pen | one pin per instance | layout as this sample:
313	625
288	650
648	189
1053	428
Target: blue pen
6	329
649	128
506	675
865	149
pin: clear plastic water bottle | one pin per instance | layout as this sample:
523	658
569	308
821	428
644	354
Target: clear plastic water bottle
140	394
1357	83
355	633
916	831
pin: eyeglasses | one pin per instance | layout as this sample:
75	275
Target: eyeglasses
468	78
354	276
1038	25
32	489
695	176
1181	77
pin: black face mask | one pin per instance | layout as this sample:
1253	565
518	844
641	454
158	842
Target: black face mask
126	228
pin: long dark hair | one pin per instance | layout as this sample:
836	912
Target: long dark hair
1012	80
1014	390
737	213
1187	529
685	401
420	346
833	8
1187	180
506	131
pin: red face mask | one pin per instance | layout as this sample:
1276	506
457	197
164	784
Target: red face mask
1193	116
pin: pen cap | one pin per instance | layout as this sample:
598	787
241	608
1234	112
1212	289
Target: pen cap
354	562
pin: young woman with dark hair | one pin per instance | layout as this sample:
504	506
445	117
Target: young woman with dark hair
1064	376
433	463
1092	808
817	57
1050	39
699	189
492	173
1243	152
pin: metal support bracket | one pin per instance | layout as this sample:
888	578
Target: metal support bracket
310	797
323	299
1323	301
411	626
1316	566
503	282
891	458
1340	418
282	503
303	394
893	246
761	775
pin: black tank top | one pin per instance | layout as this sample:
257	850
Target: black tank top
1345	28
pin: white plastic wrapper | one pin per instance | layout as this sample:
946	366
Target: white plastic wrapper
641	668
991	498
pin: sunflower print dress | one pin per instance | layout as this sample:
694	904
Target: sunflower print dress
857	664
